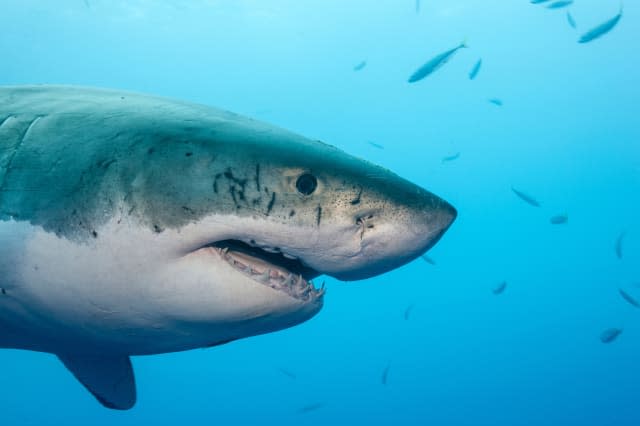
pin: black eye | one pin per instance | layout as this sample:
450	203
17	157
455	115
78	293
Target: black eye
306	184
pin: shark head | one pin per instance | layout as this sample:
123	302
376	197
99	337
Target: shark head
134	225
314	210
194	226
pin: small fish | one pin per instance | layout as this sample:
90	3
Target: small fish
538	1
570	20
626	296
451	157
526	198
560	219
428	259
619	244
435	63
476	68
407	311
601	29
610	334
287	373
360	66
385	374
560	4
495	101
311	407
500	288
417	6
375	145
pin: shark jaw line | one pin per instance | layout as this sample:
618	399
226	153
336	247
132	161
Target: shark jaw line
270	267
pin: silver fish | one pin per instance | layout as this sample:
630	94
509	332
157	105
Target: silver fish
526	198
311	407
435	63
360	66
474	71
560	4
610	334
385	374
451	157
500	288
626	296
560	219
287	373
570	20
428	259
601	29
407	311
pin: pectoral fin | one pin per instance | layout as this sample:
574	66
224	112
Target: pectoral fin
109	378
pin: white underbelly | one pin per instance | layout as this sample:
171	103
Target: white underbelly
123	295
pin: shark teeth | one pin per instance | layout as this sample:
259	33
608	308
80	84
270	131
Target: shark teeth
264	277
294	285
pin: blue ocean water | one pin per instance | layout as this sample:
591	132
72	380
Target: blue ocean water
566	133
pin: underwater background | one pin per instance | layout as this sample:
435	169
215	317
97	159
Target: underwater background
506	321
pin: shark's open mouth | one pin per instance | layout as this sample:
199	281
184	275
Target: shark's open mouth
271	267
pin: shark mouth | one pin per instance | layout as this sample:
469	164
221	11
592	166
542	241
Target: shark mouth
271	267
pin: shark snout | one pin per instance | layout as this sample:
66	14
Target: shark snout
431	223
394	237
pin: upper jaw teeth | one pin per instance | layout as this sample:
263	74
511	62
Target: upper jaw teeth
295	286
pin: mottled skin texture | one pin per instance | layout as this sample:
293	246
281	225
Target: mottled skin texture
171	163
109	204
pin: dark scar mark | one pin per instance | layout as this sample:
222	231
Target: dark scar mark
357	199
94	233
271	202
215	182
229	175
188	154
157	229
258	177
235	191
232	191
188	210
319	216
256	201
292	213
151	151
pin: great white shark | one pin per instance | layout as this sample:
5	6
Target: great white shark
137	225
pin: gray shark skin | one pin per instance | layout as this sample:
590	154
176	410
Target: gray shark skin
137	225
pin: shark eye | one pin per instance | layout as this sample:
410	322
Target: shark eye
306	184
